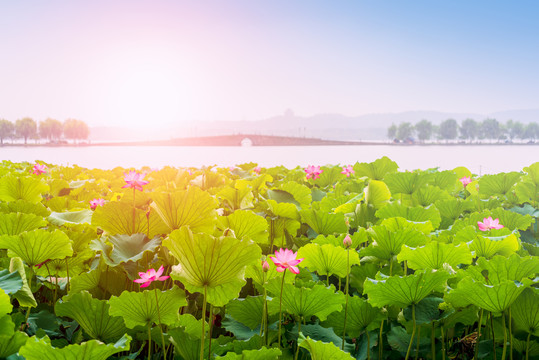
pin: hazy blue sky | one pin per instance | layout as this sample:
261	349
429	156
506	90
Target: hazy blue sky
161	62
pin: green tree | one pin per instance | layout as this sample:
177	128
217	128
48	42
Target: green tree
531	131
469	129
424	130
7	130
514	129
490	128
404	131
26	128
50	129
76	129
448	129
392	131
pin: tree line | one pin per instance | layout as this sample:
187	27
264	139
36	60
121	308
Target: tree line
49	129
469	130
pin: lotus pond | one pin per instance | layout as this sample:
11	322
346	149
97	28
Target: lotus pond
331	262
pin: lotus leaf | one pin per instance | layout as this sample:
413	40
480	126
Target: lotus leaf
426	311
377	169
388	244
119	249
247	311
452	209
406	182
17	223
358	238
239	196
260	354
399	340
341	204
36	246
527	191
404	291
10	281
497	184
435	254
186	346
324	223
10	340
446	180
21	206
211	265
259	277
5	303
428	195
92	315
501	268
300	193
283	209
525	311
487	247
327	259
360	316
330	176
323	351
415	214
246	226
41	349
101	282
24	295
399	223
141	308
377	194
13	188
71	217
512	220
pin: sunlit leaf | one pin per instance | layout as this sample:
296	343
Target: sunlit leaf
16	223
260	354
123	248
327	259
358	238
487	247
387	244
415	214
36	246
377	194
246	226
10	340
406	182
435	254
324	351
24	295
71	217
377	169
360	316
497	184
283	209
525	311
247	311
5	303
21	206
300	193
13	188
324	223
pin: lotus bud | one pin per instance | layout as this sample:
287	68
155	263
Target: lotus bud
265	266
347	242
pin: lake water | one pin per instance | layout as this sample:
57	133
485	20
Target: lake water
480	159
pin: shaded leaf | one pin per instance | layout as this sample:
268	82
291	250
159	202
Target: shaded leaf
36	246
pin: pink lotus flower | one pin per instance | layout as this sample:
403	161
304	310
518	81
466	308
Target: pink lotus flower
146	278
347	170
488	224
286	259
134	180
265	266
465	180
313	172
257	170
96	202
347	241
39	169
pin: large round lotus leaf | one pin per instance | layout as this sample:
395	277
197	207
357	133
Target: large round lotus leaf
406	182
327	259
386	243
5	303
377	194
16	223
192	207
358	238
497	184
73	264
330	175
81	235
525	311
533	172
24	295
415	214
247	311
211	265
318	301
446	180
428	195
141	308
526	191
435	254
239	196
119	249
101	282
341	203
10	340
246	226
282	228
117	218
462	171
451	209
283	209
187	346
71	217
400	223
260	354
323	351
300	193
27	188
377	169
512	220
36	246
403	291
41	349
501	268
92	315
360	316
324	223
487	247
21	206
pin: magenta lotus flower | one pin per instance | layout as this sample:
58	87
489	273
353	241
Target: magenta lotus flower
313	172
347	170
286	259
265	266
96	202
146	278
39	169
488	224
347	241
465	180
134	180
257	170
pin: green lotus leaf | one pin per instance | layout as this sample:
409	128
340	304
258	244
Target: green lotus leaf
247	311
435	254
324	223
404	291
446	180
259	277
5	303
319	301
192	326
512	220
240	196
193	207
36	246
10	281
327	259
92	315
246	226
260	354
81	235
13	188
399	340
101	282
462	171
17	223
283	209
10	340
426	311
323	351
330	175
211	265
495	298
24	295
415	214
377	194
21	206
71	217
523	347
300	193
377	169
41	349
63	203
360	316
533	172
388	244
399	223
119	249
498	184
283	228
527	191
487	247
187	347
341	204
141	308
75	265
358	238
406	182
525	311
282	197
501	268
428	195
451	209
117	218
466	316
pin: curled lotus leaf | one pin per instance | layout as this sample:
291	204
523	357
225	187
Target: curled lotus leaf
71	217
17	223
34	247
377	194
327	259
246	226
119	249
414	214
300	193
435	254
24	295
283	209
27	188
377	169
525	311
322	351
324	223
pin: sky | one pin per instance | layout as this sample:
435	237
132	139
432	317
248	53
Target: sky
156	63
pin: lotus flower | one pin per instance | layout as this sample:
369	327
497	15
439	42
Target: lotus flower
146	278
465	180
96	202
39	169
347	170
347	241
488	224
286	259
257	170
265	266
313	172
134	180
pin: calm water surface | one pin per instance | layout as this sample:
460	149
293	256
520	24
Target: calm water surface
479	159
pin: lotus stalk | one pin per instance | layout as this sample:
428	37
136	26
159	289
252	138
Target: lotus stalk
203	333
280	312
381	341
510	336
528	345
478	334
347	243
210	318
264	321
149	341
504	336
297	344
413	333
432	341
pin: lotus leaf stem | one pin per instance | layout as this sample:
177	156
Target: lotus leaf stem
368	345
443	342
281	311
211	327
432	341
346	295
149	341
134	211
478	334
297	344
203	334
263	331
417	345
413	333
493	335
380	341
504	336
160	328
510	337
528	345
67	271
